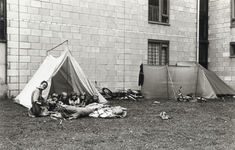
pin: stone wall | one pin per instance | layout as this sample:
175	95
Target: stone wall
108	38
220	36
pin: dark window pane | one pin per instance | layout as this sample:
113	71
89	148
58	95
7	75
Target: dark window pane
2	34
201	28
2	20
203	5
164	55
165	19
233	48
165	7
233	7
153	10
1	9
159	11
233	23
153	13
154	2
203	52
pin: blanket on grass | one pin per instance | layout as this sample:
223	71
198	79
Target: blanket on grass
71	112
92	110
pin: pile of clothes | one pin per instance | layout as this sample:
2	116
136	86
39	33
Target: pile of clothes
106	111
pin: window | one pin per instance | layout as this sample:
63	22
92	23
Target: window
232	13
232	49
2	20
159	11
203	23
158	52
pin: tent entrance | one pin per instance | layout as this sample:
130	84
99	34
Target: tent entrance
61	81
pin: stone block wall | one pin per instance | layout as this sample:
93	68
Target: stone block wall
220	36
109	39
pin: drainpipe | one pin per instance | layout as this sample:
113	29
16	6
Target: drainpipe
197	39
197	42
18	46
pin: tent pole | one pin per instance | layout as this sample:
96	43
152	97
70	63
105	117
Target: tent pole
56	46
197	32
169	76
67	74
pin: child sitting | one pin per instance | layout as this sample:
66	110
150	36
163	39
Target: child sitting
96	98
93	99
74	99
64	98
52	101
83	99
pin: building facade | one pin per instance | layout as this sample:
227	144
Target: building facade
221	36
110	39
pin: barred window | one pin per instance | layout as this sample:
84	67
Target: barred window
158	52
159	11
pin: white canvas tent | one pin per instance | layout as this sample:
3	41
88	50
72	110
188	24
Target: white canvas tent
63	74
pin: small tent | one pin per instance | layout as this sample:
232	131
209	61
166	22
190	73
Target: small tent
165	81
63	74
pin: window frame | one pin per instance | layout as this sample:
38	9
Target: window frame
161	14
162	43
232	49
232	13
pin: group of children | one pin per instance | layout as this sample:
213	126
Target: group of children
73	99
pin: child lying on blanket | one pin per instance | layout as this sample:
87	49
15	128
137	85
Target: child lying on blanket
72	112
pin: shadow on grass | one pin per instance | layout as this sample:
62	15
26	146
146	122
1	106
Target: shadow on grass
193	126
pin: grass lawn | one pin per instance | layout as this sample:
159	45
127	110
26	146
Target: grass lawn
194	126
